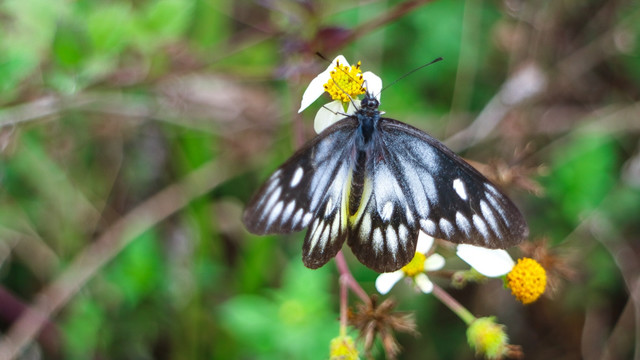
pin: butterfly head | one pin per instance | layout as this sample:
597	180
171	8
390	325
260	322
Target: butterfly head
369	105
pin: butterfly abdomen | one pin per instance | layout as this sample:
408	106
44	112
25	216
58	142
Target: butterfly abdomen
357	182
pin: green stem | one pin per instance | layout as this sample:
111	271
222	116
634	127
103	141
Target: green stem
453	304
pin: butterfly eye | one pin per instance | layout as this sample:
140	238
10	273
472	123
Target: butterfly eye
369	102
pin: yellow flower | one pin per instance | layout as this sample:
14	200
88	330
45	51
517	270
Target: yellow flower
527	280
343	82
415	269
343	348
346	82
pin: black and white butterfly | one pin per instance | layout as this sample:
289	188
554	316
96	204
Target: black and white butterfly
375	182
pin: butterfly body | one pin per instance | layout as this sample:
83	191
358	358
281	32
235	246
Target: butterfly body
376	182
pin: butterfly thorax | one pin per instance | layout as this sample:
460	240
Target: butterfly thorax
368	116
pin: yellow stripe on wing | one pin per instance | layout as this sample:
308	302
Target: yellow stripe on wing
364	200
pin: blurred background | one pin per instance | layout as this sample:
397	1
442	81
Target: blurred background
132	133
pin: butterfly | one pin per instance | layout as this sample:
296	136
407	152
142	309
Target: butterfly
375	183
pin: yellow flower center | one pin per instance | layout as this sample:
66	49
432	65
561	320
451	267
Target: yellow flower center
343	348
527	280
416	266
345	83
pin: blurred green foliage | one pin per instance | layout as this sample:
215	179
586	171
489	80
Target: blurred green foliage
105	104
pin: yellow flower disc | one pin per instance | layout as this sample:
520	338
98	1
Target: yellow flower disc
527	280
345	83
416	266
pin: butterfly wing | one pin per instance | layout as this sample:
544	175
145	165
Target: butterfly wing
448	197
383	232
309	189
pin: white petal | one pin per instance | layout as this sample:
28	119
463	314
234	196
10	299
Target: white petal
316	86
328	115
354	105
385	281
425	242
373	83
424	284
434	262
488	262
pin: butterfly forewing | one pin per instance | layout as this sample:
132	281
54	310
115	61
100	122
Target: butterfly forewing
451	200
328	230
290	198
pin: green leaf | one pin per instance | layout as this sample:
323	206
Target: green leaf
137	271
293	322
110	28
81	328
69	45
583	173
167	19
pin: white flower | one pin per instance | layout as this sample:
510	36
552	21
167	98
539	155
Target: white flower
343	82
415	270
488	262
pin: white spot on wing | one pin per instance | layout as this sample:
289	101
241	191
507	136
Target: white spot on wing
275	174
378	240
296	218
272	199
297	176
463	223
492	189
481	226
306	219
288	211
428	226
272	185
446	226
409	216
365	227
327	211
403	234
392	240
315	235
418	194
429	188
497	207
275	212
324	237
458	185
488	215
387	211
335	227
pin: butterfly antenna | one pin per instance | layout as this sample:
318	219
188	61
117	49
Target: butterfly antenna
411	72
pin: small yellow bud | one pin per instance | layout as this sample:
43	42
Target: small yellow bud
488	338
343	348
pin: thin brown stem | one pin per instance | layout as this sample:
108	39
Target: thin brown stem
343	268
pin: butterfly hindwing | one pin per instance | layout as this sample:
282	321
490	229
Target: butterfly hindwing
450	199
384	231
328	229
